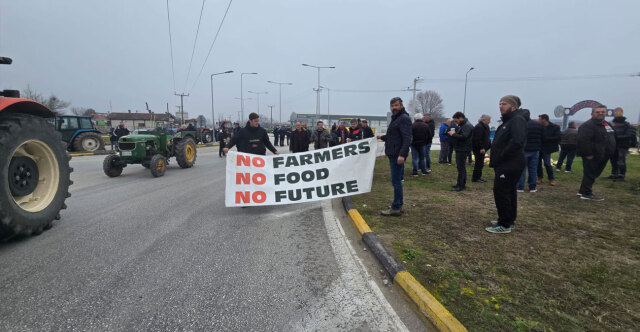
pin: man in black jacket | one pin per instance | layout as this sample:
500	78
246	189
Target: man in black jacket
420	132
507	160
252	138
396	147
481	144
550	142
367	132
432	131
568	146
120	131
596	144
531	152
461	137
355	132
625	139
299	141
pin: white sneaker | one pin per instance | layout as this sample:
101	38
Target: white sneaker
520	191
533	190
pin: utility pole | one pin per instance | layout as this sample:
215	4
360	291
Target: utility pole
413	102
318	89
182	95
466	78
271	116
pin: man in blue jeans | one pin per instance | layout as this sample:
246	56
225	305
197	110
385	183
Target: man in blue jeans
531	152
396	147
432	132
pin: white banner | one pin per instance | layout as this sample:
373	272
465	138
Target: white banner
342	170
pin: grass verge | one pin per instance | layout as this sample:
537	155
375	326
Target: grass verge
570	264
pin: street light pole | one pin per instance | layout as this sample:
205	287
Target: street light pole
258	96
318	89
280	96
328	104
213	114
242	95
466	77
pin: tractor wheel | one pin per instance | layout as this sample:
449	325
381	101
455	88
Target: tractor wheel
88	142
186	152
206	136
158	165
111	166
34	175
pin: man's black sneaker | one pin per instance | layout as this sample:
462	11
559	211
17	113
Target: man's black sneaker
479	181
612	176
457	188
592	197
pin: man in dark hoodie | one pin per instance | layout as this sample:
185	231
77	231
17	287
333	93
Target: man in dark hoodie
396	147
507	160
531	152
481	144
625	139
596	144
420	132
432	131
367	132
252	138
461	137
550	142
568	146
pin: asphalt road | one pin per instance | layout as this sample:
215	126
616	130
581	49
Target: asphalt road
140	253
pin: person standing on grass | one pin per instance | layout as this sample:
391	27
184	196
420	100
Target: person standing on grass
507	161
421	133
443	156
550	141
568	146
432	130
481	142
625	140
396	147
461	138
596	144
531	152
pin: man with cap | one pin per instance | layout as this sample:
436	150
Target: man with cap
252	138
507	161
396	147
625	139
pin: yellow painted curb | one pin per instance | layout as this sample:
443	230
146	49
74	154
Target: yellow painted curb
81	154
358	222
438	314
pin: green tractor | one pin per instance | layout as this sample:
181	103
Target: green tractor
152	149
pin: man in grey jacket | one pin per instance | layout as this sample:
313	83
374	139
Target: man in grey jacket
568	147
320	137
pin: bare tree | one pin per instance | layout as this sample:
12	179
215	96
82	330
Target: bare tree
430	102
78	110
53	103
89	112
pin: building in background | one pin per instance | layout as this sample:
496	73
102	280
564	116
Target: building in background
375	121
135	121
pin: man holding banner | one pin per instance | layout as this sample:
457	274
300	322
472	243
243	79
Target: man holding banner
252	138
396	147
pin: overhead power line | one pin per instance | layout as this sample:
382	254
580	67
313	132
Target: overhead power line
533	78
212	44
194	46
173	71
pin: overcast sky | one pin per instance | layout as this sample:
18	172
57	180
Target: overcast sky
101	53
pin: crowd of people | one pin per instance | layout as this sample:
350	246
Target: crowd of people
520	145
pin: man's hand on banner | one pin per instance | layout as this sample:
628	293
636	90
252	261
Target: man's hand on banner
400	160
277	153
225	150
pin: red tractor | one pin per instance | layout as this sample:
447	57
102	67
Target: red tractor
34	166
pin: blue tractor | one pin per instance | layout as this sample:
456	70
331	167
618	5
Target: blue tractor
79	133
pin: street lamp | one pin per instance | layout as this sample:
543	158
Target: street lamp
466	77
280	97
242	94
318	90
328	104
213	116
258	96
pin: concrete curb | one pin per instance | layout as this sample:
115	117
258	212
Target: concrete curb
434	311
105	152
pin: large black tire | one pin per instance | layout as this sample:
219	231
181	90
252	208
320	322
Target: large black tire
206	136
186	152
111	166
88	142
158	165
30	140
